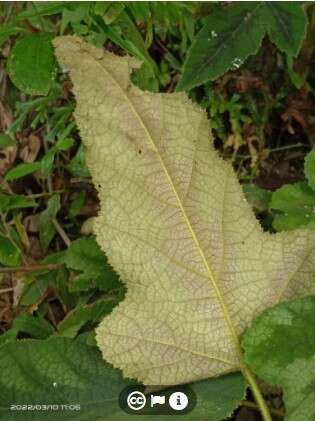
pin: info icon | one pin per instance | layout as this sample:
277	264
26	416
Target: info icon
178	401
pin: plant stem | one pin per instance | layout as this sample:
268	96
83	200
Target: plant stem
31	268
61	232
274	411
257	394
37	195
4	290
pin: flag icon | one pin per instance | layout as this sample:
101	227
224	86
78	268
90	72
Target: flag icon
156	399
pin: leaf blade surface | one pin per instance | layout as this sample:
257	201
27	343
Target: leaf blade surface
280	348
176	226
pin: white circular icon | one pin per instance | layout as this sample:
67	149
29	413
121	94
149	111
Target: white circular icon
136	400
178	401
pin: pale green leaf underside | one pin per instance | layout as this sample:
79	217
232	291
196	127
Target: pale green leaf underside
175	225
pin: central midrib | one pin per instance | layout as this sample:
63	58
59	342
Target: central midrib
210	276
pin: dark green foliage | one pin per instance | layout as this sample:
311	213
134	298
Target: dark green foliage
85	256
32	65
229	36
294	204
280	348
61	371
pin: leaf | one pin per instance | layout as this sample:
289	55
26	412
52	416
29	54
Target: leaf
31	64
77	165
64	144
140	11
217	398
45	9
296	204
85	255
126	34
111	12
15	201
6	31
309	168
175	225
34	290
78	317
280	348
9	254
21	170
231	34
227	38
36	287
78	200
286	25
37	327
70	372
58	371
6	140
8	336
47	229
259	198
47	162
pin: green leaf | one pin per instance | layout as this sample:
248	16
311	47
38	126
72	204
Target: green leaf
71	372
6	31
35	288
47	162
37	327
280	349
15	201
297	79
259	198
140	10
8	336
110	11
296	202
309	168
6	140
82	314
286	23
216	398
9	254
78	200
77	165
65	144
75	15
47	229
126	34
45	8
85	255
61	286
31	64
231	34
21	170
58	371
227	38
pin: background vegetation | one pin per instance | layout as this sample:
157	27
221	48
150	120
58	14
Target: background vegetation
254	75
